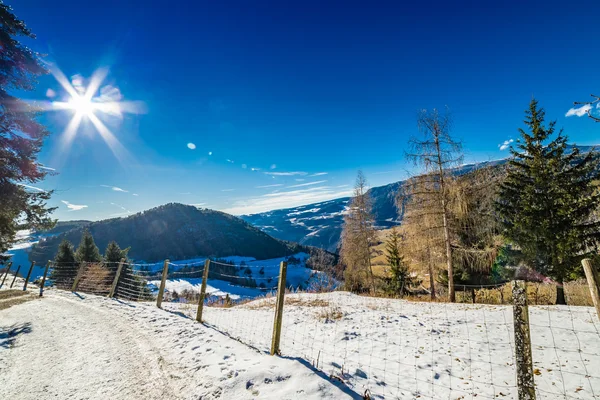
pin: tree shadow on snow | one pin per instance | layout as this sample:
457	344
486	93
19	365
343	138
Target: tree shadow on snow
324	376
9	334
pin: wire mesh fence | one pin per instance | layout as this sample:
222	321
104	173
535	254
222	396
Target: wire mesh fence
381	348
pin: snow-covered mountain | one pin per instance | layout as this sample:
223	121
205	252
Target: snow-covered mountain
320	224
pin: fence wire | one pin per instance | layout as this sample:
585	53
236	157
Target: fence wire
382	348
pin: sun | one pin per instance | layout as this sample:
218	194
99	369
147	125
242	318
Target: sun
81	105
94	103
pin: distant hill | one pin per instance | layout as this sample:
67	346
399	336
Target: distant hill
64	226
173	231
320	224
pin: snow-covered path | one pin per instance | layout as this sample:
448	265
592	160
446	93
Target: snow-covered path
71	346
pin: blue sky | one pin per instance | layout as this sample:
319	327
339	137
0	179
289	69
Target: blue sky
285	101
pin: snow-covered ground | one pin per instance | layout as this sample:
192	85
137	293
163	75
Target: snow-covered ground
262	271
400	349
383	347
88	347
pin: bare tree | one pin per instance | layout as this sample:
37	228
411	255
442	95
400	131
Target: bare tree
358	235
422	228
436	152
590	104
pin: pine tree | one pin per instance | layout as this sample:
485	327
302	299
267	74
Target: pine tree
65	266
113	255
358	235
21	136
400	279
87	250
548	199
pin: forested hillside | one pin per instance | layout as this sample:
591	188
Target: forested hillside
174	231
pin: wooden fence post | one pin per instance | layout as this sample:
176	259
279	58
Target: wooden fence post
44	278
78	276
163	281
6	274
593	282
202	291
525	383
116	280
28	275
15	278
277	321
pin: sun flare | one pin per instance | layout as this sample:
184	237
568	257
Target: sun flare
81	105
95	103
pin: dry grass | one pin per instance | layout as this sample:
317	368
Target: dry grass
267	303
330	314
576	292
5	294
9	298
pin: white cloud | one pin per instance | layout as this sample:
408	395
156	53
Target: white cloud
504	145
191	146
41	166
50	93
319	174
227	190
580	112
273	166
210	153
299	179
293	173
197	204
269	186
31	187
293	198
135	194
74	207
116	189
229	161
255	169
307	184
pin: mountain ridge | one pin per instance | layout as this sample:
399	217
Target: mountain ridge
320	224
175	231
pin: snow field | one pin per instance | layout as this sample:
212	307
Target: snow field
83	346
399	349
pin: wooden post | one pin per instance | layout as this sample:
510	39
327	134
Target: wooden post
44	278
15	278
161	291
277	321
28	275
202	291
525	383
113	288
78	276
593	282
6	274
